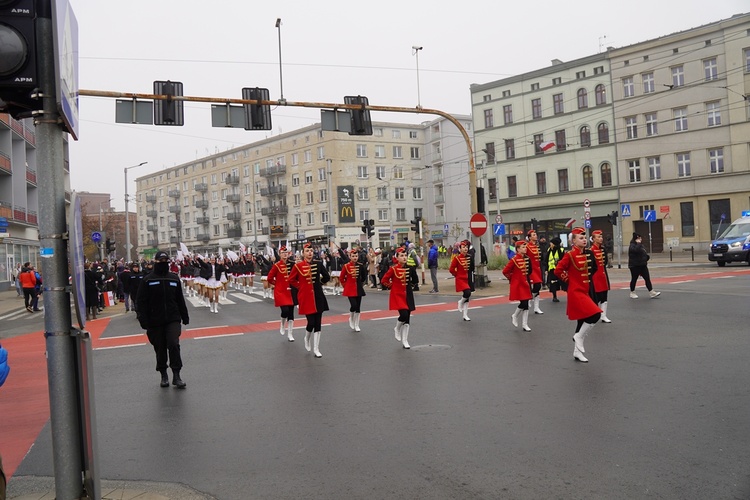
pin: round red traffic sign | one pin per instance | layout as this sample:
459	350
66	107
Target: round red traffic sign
478	224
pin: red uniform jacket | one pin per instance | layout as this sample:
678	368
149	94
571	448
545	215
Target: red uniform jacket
353	275
576	268
460	269
308	279
601	278
532	250
517	271
278	276
402	296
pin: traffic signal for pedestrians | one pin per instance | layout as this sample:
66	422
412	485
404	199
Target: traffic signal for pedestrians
361	122
365	226
18	63
480	200
534	223
110	246
370	228
257	116
416	224
612	218
169	111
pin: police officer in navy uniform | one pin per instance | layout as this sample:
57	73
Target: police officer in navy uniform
160	308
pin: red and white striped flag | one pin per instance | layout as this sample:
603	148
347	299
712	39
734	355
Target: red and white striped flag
546	146
570	222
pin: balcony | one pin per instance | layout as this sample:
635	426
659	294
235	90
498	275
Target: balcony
202	187
233	180
174	209
278	210
151	213
175	224
5	164
152	228
201	204
202	220
439	198
174	193
30	176
235	216
174	239
153	243
273	190
31	217
234	233
271	171
234	198
204	237
150	198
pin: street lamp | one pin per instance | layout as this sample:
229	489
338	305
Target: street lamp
127	221
101	245
281	75
390	209
415	51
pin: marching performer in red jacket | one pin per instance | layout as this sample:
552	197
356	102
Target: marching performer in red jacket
308	277
576	269
278	277
601	277
535	255
460	268
353	276
517	270
402	295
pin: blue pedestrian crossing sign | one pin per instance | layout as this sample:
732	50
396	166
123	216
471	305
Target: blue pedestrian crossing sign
625	209
498	229
649	216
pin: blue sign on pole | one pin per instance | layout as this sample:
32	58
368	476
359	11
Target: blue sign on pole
625	209
649	216
498	229
96	236
587	223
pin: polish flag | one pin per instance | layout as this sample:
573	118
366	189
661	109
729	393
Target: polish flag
546	146
570	222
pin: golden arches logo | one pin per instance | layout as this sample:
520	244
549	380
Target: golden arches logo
347	212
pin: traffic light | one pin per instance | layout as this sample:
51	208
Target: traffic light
480	200
365	226
18	64
257	116
370	228
168	112
534	223
416	224
361	122
613	217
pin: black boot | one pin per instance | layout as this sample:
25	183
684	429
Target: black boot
164	378
176	380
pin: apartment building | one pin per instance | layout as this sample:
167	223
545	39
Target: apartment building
682	117
305	185
545	146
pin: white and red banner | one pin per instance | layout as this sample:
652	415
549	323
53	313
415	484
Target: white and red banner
546	146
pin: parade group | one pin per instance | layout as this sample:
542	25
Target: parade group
295	281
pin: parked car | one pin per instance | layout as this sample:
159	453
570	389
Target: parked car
733	245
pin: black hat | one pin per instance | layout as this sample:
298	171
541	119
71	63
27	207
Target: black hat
636	236
161	255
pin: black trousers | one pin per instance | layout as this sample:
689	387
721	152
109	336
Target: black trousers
166	342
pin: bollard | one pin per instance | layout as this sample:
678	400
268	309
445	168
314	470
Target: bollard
692	253
670	254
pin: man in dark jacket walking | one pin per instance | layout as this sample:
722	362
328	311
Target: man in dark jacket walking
161	306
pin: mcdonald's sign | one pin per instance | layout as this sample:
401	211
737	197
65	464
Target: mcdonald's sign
346	203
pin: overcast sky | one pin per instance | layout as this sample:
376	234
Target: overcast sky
330	49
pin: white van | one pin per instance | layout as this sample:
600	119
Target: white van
733	245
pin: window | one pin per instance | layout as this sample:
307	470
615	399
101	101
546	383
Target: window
683	164
382	214
380	172
680	119
606	174
688	218
557	81
321	174
362	172
603	132
400	214
557	100
310	218
583	99
599	70
538	140
713	112
323	195
631	127
412	134
488	121
541	183
417	193
651	124
378	132
585	136
361	150
324	217
363	193
510	149
716	160
489	151
536	108
308	177
512	187
396	134
506	93
747	60
379	151
486	97
580	74
492	187
309	197
654	168
414	152
628	88
634	170
678	76
398	172
295	159
560	140
535	86
308	156
382	193
710	70
588	177
600	93
397	154
295	180
648	83
562	180
398	193
508	114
